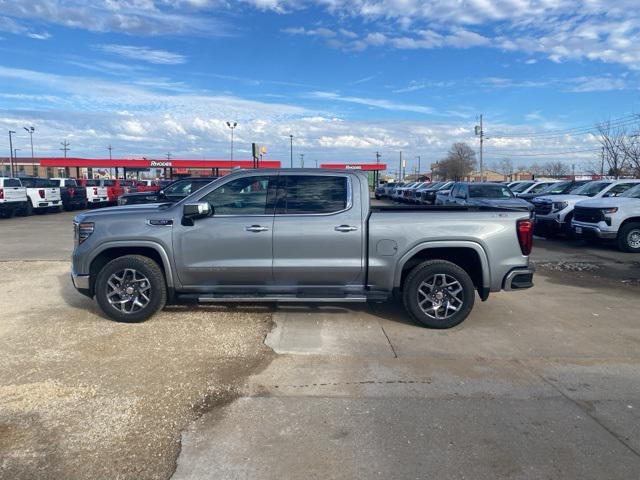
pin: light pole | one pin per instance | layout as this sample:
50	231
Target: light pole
418	157
302	160
15	157
232	126
479	131
11	132
30	131
291	148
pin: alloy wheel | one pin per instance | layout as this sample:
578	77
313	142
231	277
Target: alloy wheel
128	291
440	296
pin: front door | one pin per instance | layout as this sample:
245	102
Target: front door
233	247
318	232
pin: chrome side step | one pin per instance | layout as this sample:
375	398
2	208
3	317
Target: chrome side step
279	298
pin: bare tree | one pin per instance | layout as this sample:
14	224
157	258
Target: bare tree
612	140
459	162
555	169
505	167
631	149
536	170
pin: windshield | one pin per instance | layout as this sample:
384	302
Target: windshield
522	187
489	191
181	187
632	192
540	187
591	189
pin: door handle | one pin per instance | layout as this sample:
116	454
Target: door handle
345	228
256	228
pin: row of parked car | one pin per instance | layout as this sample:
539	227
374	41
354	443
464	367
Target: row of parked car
29	195
589	209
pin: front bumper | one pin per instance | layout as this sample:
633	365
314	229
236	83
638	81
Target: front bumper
548	224
589	229
80	282
518	279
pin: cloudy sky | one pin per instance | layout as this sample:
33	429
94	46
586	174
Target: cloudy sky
346	78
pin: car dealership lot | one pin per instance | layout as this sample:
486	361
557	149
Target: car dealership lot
536	384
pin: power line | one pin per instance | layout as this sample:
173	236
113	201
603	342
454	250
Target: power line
583	130
540	154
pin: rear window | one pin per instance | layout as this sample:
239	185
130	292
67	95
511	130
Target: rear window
37	183
309	194
108	183
93	183
56	183
12	182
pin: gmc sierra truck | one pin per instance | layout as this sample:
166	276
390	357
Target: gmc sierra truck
298	235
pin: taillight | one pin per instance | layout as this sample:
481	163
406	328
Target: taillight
72	191
1	193
41	193
95	191
525	235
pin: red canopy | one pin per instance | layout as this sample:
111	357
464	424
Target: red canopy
355	166
146	163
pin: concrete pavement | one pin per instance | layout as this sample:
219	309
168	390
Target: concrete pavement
538	384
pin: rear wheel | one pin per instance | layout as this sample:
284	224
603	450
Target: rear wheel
29	208
629	238
131	289
438	294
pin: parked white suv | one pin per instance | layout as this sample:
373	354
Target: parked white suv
555	212
614	218
41	195
13	197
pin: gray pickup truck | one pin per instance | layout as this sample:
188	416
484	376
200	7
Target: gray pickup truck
298	235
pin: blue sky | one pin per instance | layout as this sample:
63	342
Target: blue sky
347	79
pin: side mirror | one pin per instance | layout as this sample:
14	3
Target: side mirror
196	210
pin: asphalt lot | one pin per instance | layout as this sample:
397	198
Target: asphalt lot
536	384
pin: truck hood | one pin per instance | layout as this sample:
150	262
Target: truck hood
561	198
609	202
501	202
144	208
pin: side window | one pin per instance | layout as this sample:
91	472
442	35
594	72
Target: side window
309	194
12	182
618	189
243	196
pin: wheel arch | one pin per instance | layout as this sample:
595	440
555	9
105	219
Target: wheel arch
469	256
111	251
635	219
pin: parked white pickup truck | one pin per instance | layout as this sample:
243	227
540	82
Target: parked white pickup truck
96	191
614	218
13	197
41	195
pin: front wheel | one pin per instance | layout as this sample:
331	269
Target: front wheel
131	289
438	294
629	238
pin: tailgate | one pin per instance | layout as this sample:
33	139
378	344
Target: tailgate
51	194
96	192
15	194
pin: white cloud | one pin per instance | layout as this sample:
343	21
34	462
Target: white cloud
39	36
374	102
144	54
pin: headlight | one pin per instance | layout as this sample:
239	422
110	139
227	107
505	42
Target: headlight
85	230
610	210
557	206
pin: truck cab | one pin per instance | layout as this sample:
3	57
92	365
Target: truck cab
13	197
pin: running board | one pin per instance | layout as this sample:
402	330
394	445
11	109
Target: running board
279	298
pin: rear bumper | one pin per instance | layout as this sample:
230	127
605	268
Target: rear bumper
8	206
518	279
589	229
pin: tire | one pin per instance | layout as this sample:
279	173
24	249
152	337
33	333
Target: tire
29	209
629	237
155	290
568	229
431	272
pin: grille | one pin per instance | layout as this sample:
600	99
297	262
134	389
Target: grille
588	215
543	208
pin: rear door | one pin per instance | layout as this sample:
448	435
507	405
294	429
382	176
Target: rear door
234	246
317	233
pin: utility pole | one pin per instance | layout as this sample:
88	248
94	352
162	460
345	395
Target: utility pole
302	160
168	155
400	176
377	172
291	148
480	132
316	163
11	132
418	157
110	148
232	126
602	165
30	131
65	147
